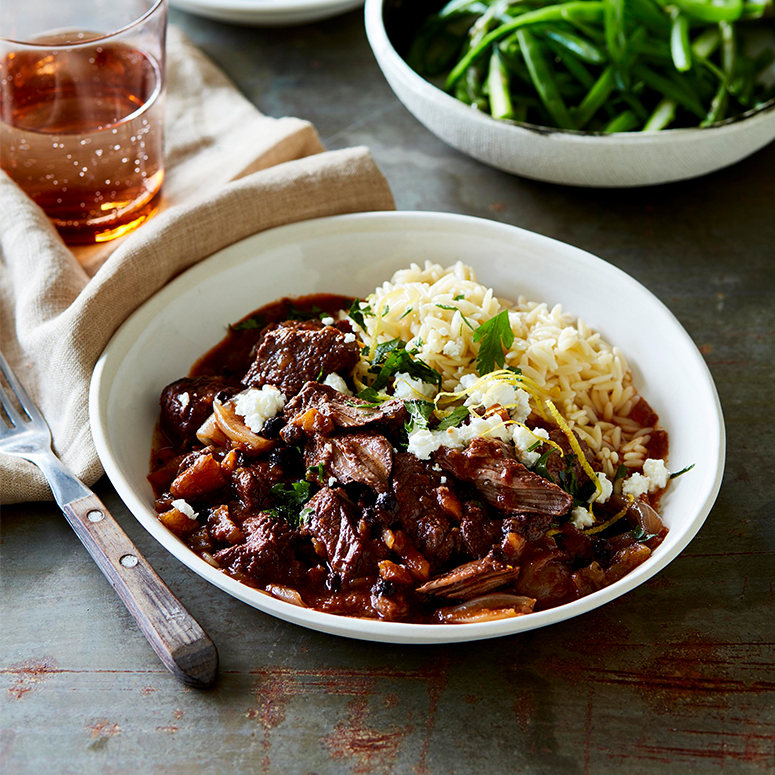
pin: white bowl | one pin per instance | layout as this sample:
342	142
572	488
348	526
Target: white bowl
267	13
351	254
566	156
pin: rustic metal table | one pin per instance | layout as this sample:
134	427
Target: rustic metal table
677	676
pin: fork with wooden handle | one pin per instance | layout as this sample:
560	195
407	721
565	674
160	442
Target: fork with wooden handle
181	644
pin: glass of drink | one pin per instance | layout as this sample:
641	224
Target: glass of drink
82	110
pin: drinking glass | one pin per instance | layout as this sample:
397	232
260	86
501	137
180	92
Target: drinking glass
82	110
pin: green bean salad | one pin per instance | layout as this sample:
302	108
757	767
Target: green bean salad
602	65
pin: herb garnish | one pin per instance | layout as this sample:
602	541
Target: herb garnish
621	472
358	313
452	420
294	313
392	357
458	297
494	337
419	414
406	312
316	472
372	397
534	446
288	501
540	465
249	324
682	471
448	306
640	535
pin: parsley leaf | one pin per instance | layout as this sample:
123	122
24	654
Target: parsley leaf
534	446
258	321
447	306
372	396
640	535
316	472
358	313
294	313
288	501
393	357
452	420
493	336
682	471
419	414
459	297
540	466
406	312
621	472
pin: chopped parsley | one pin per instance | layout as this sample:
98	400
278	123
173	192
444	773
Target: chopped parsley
682	471
640	535
288	501
249	324
406	312
294	313
419	414
534	446
540	465
358	313
458	297
621	472
447	306
392	357
494	337
372	397
315	473
453	419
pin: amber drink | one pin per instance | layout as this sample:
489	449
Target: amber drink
81	123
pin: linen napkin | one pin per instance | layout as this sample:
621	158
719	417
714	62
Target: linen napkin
231	172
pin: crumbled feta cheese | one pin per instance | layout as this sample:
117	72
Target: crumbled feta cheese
453	349
184	508
184	399
257	406
327	321
657	472
408	389
331	481
655	476
607	489
496	391
334	381
524	439
443	479
348	338
423	442
581	518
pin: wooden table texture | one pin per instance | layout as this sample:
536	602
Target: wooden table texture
677	676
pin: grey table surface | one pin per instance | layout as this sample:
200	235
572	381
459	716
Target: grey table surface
677	676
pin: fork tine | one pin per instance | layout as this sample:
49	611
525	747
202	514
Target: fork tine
21	394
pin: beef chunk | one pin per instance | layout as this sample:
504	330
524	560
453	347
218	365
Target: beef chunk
501	479
320	409
331	524
478	531
426	509
578	546
531	526
555	463
546	574
296	352
252	485
366	458
186	404
267	554
472	579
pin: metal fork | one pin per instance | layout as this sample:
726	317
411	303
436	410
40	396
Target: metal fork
181	644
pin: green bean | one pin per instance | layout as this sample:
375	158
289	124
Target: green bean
728	48
718	105
626	121
582	49
662	116
595	98
462	7
575	68
635	104
498	88
679	42
650	14
711	10
706	42
543	79
615	37
576	9
670	89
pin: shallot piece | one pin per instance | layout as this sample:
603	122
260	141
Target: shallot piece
486	609
232	425
286	594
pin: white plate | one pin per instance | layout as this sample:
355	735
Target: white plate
267	13
351	254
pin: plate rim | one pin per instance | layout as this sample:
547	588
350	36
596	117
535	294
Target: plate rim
367	629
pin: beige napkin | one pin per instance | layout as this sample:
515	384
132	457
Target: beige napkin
231	172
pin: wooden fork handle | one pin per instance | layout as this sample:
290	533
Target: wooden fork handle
182	645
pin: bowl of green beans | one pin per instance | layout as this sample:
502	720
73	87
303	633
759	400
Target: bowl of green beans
605	93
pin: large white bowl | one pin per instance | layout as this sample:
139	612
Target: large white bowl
565	156
267	13
351	254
